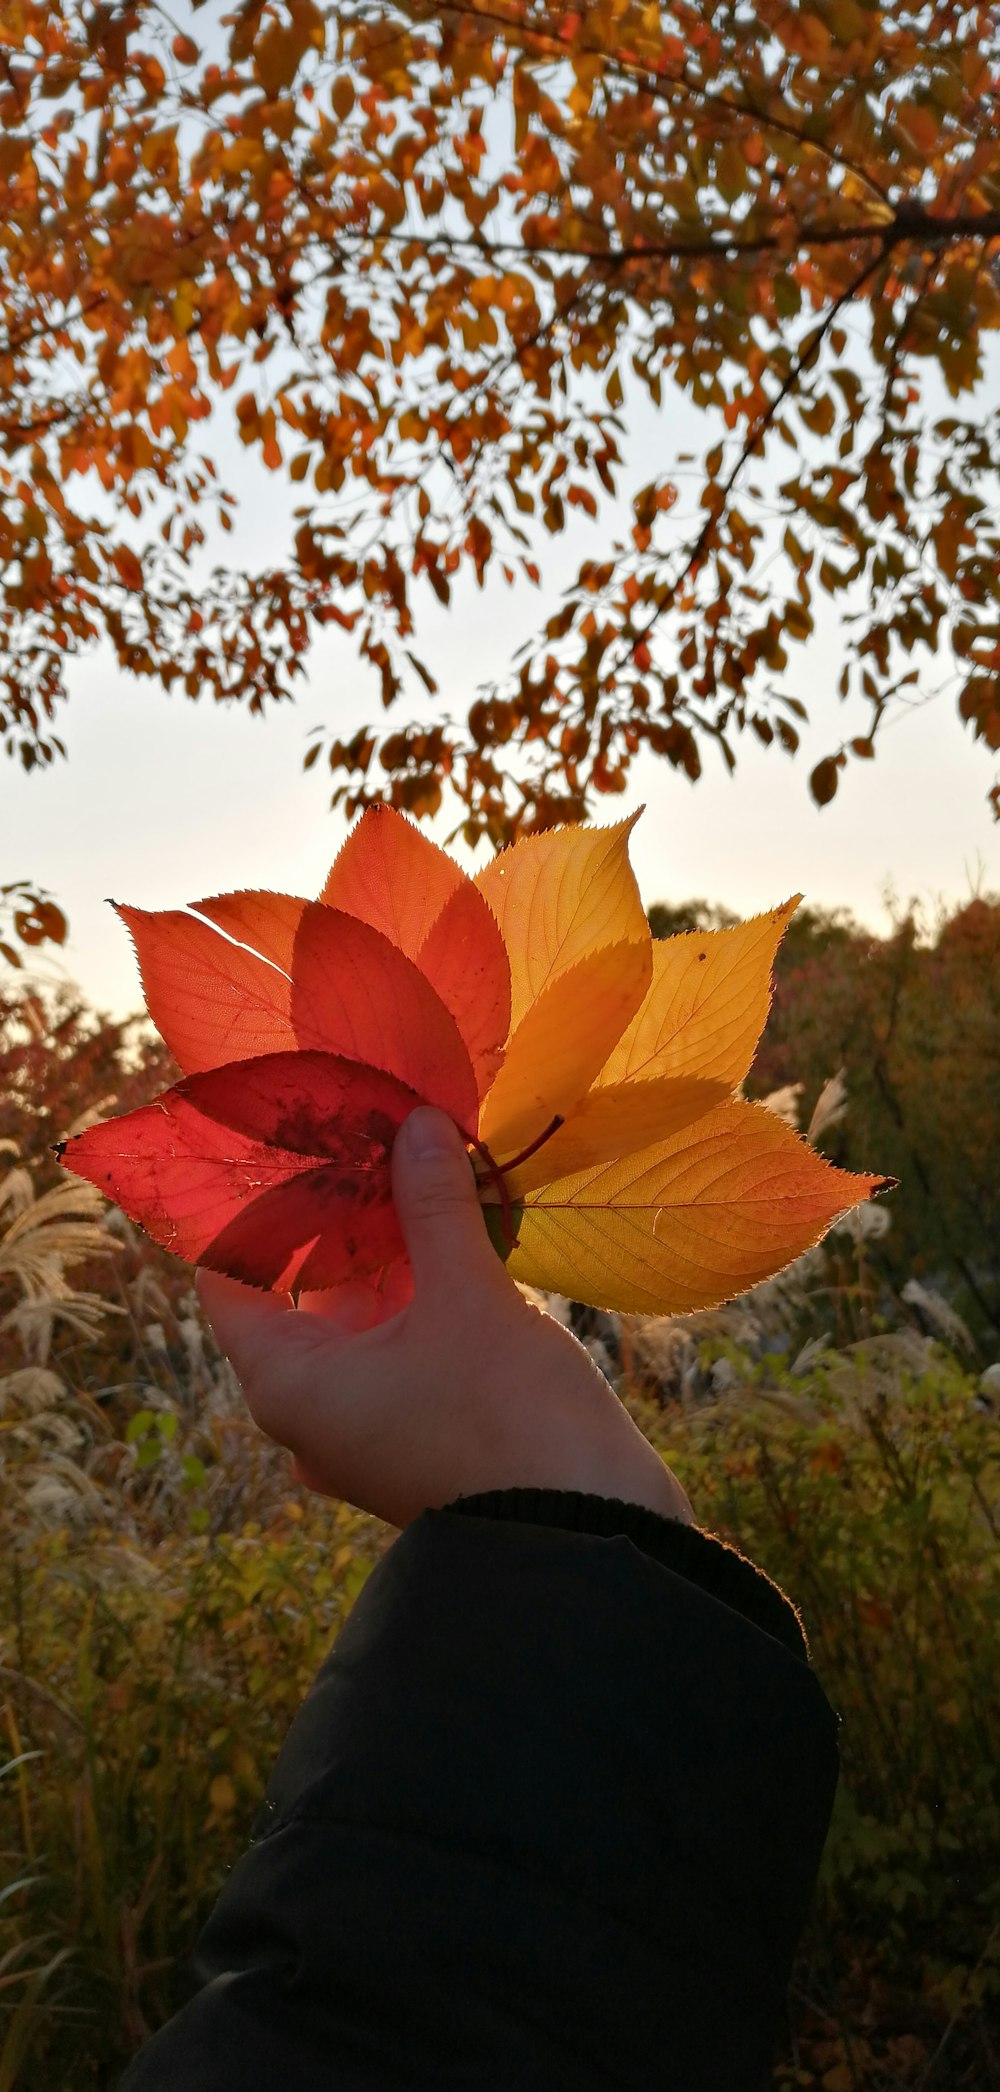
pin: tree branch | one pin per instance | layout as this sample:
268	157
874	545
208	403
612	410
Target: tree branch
755	437
908	223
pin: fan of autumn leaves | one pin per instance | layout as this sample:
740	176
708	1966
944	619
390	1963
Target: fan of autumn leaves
590	1071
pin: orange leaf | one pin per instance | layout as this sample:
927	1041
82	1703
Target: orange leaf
390	875
209	1000
560	1043
267	922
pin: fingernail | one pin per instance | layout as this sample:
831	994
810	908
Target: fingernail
429	1133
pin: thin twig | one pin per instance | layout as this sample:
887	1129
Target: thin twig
755	437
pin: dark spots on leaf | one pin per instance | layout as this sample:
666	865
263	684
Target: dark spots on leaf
296	1128
381	1128
703	955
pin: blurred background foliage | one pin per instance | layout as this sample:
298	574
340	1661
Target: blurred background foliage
166	1593
913	1020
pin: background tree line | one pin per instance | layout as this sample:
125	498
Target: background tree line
913	1019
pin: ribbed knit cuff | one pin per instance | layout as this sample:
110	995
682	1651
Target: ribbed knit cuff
712	1563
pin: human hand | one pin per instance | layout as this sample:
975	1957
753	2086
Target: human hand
465	1387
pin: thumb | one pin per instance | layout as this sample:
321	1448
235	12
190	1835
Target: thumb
434	1191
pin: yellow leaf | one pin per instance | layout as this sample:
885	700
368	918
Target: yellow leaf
558	896
222	1794
616	1121
707	1003
560	1044
688	1223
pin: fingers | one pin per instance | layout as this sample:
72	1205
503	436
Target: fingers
237	1312
272	1349
439	1211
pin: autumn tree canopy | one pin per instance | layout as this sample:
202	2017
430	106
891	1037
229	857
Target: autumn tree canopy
416	253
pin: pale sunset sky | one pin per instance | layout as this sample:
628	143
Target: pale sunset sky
163	801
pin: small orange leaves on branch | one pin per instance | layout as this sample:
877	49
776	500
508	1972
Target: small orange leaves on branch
463	313
34	918
590	1074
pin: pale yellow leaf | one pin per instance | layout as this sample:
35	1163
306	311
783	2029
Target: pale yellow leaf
558	896
707	1003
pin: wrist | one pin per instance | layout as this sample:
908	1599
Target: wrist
654	1489
635	1474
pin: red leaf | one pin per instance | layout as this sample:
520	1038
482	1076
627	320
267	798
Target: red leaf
356	993
273	1170
465	957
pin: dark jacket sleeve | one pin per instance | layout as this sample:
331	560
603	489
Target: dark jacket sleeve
548	1820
